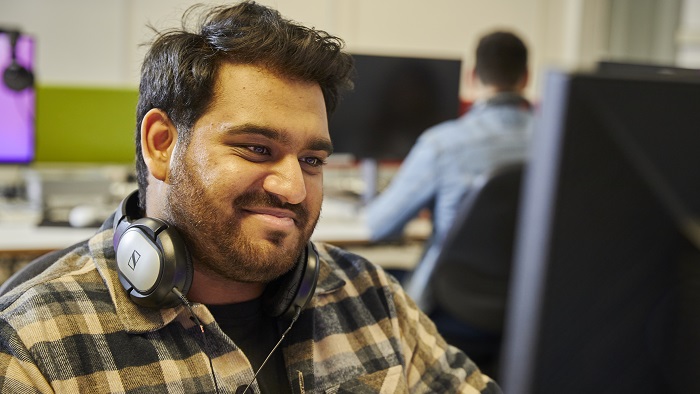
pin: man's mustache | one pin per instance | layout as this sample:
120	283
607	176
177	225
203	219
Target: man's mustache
263	199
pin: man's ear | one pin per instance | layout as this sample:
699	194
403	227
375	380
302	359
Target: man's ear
158	138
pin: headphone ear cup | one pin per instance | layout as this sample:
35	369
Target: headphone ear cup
17	77
152	257
288	295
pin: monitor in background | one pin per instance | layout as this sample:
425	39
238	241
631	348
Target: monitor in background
17	98
627	69
395	99
606	280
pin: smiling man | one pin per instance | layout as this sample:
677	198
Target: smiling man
205	279
246	190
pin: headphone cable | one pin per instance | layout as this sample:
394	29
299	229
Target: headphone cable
196	320
201	327
294	319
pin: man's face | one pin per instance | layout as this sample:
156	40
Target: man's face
246	193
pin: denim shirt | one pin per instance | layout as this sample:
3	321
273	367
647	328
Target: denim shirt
443	164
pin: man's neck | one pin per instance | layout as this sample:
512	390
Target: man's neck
212	290
488	92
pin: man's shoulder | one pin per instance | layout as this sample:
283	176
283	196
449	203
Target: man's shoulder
343	260
48	282
447	127
459	130
341	267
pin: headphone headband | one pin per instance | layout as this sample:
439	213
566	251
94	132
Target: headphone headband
16	76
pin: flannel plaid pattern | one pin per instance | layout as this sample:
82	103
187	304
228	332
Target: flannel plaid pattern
73	329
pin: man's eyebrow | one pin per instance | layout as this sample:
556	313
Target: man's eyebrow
249	128
321	144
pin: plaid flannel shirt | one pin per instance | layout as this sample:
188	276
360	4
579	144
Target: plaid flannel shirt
73	329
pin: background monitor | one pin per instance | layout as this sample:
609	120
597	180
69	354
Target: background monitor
627	69
395	99
606	280
17	98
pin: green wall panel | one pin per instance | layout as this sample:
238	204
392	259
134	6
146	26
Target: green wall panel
85	125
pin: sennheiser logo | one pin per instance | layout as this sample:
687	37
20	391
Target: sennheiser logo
135	256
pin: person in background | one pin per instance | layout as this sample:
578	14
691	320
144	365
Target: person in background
446	159
205	278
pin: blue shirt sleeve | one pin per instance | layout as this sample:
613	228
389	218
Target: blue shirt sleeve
412	189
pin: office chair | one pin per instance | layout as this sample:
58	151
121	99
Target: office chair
469	283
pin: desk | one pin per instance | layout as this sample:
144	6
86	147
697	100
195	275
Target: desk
353	235
354	232
27	238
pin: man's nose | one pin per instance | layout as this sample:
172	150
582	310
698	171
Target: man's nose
286	181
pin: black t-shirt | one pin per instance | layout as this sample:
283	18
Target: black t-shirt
256	334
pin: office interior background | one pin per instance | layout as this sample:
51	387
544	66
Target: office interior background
99	44
91	50
88	54
87	60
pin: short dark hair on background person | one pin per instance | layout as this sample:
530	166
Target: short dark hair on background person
501	59
180	68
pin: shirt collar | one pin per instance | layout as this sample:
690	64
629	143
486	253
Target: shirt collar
503	98
328	280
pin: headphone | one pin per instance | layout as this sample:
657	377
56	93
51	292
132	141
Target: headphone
15	76
155	267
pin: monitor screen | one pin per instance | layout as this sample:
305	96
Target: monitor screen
605	292
394	100
17	107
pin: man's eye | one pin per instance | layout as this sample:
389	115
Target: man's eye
313	161
260	150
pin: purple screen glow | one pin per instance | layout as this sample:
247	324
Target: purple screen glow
16	107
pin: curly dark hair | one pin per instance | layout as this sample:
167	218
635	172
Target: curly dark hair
180	68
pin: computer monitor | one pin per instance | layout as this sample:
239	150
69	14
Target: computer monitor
605	292
394	100
627	69
17	98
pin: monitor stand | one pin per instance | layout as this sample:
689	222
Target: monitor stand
369	171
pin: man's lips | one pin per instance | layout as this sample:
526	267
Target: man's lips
277	217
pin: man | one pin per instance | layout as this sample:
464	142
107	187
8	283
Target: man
204	280
447	158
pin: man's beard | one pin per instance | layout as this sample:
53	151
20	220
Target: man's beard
217	244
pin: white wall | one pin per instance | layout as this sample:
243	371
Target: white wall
78	41
97	42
